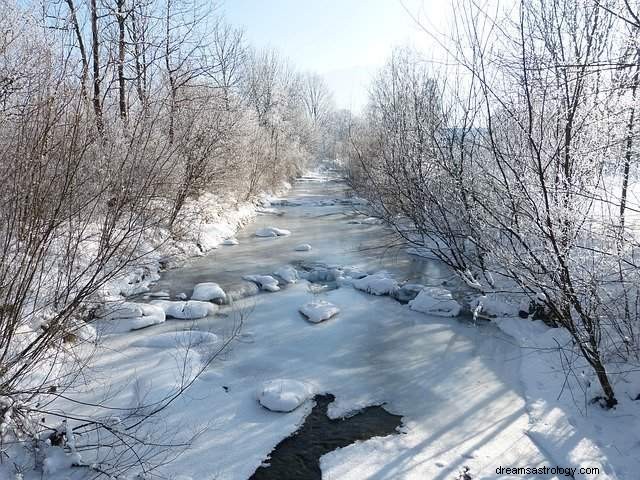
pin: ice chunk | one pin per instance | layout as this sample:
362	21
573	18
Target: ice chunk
376	284
265	282
272	232
209	291
230	241
287	273
319	311
435	301
189	310
282	395
305	247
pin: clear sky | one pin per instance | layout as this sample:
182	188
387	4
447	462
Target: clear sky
344	40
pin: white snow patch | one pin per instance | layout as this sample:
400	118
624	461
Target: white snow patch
208	291
272	232
435	301
230	241
305	247
319	311
57	459
283	395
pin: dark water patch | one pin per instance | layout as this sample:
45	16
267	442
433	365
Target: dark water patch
298	456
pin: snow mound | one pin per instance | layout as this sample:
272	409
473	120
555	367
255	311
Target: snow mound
319	311
209	291
189	310
184	338
230	241
287	273
377	284
272	232
435	301
265	282
305	247
282	395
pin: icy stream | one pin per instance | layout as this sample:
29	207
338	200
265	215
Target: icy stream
319	213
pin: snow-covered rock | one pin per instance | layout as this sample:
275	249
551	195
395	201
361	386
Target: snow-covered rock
182	296
288	274
189	310
230	241
435	301
407	292
209	291
377	284
183	338
149	315
245	289
283	395
113	310
305	247
272	232
265	282
323	274
319	311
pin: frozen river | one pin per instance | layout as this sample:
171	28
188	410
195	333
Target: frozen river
455	385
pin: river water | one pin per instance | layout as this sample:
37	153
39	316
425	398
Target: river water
318	212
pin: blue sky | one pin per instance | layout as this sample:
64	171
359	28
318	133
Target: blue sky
346	41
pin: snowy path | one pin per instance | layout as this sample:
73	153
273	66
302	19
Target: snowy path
456	385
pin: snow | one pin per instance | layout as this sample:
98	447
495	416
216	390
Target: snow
319	311
304	247
208	291
189	310
272	232
563	422
496	305
149	315
265	282
377	284
230	242
455	386
185	338
56	460
287	273
283	395
469	395
436	301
